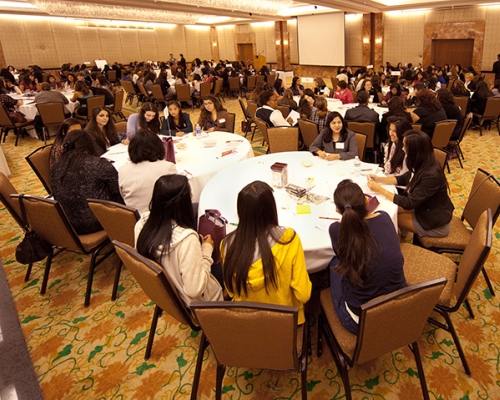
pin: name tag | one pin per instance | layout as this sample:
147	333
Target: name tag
339	145
222	120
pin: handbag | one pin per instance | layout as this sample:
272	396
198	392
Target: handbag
17	117
168	143
372	203
214	224
32	248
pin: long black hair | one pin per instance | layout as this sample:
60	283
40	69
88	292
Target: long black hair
258	220
170	205
327	132
402	125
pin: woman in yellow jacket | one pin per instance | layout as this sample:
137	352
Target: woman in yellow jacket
262	261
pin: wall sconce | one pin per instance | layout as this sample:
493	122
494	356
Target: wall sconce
278	42
285	42
214	44
366	40
378	41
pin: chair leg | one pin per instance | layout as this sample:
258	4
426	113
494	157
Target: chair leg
152	331
469	308
319	350
487	279
16	132
28	272
46	272
220	377
199	362
93	264
414	348
448	166
117	281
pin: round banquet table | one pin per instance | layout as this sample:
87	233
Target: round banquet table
200	159
4	167
322	177
29	107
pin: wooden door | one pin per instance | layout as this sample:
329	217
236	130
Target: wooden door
452	51
245	53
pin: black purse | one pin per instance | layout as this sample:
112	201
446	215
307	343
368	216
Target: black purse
32	248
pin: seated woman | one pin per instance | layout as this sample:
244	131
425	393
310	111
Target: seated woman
394	155
213	116
268	110
396	108
175	122
496	88
137	178
458	88
167	234
478	100
288	100
425	208
147	119
52	81
259	88
335	141
343	93
470	83
395	91
452	111
372	93
428	112
57	149
10	88
320	113
296	88
368	261
305	109
9	103
320	88
82	174
70	82
196	88
149	80
262	261
82	93
29	83
279	87
102	129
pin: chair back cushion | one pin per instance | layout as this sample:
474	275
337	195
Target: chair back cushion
231	122
367	128
250	335
118	101
283	139
492	110
485	193
51	113
205	88
395	320
93	102
4	117
12	205
361	139
442	133
252	107
39	162
183	92
441	156
309	131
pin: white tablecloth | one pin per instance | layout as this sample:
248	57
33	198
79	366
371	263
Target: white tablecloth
200	160
4	167
222	191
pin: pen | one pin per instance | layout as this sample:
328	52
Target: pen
187	172
331	218
233	223
366	169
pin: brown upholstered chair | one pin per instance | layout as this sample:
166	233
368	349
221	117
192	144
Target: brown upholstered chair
52	114
309	131
205	90
368	129
260	78
491	113
283	138
442	133
234	86
118	105
263	130
441	157
157	95
218	90
456	143
462	102
417	127
7	123
159	288
422	264
386	323
284	110
38	160
361	142
484	194
248	118
183	93
144	95
335	82
271	79
47	218
92	102
251	80
130	89
231	121
118	221
111	75
254	335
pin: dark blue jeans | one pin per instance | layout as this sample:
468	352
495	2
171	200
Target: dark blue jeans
339	303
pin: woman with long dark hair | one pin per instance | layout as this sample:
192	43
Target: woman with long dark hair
57	149
395	91
262	261
368	260
394	155
176	122
478	100
425	207
82	93
213	116
428	112
452	111
146	119
167	234
296	87
319	114
102	129
335	141
396	108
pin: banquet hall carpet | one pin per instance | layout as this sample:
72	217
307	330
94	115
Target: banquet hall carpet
98	352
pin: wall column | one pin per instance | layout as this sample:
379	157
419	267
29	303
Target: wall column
214	43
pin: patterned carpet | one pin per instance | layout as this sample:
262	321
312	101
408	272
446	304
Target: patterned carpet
98	352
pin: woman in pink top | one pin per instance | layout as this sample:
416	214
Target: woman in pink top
343	93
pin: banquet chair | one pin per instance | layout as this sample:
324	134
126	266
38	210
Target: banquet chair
130	89
251	80
354	96
205	89
248	118
234	86
48	219
308	130
252	108
442	133
386	323
283	138
367	128
121	127
118	105
491	113
441	156
484	194
380	97
463	103
422	264
455	144
118	221
145	96
6	123
416	127
157	95
271	79
231	121
335	82
284	110
158	286
183	93
52	114
262	125
111	75
259	78
218	90
92	102
361	139
38	160
254	335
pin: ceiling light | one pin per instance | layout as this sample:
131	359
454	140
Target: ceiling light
253	6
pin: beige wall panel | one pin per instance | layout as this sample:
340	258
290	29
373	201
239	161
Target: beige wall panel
354	40
111	44
491	38
470	14
192	44
403	37
130	45
90	44
178	42
41	43
226	43
292	41
147	44
15	43
204	45
163	42
270	43
66	40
